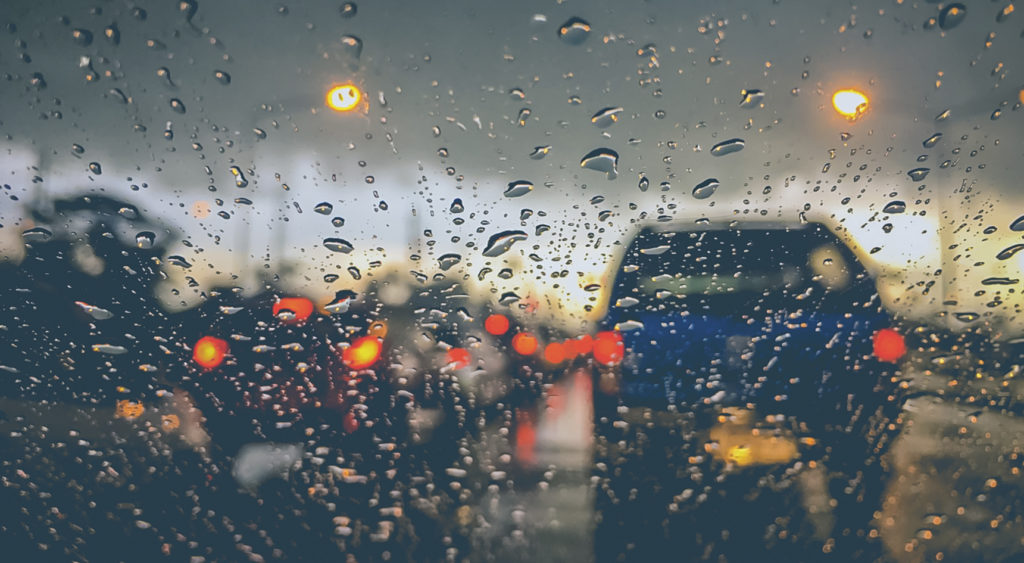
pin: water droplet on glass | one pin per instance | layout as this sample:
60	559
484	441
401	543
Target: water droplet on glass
894	207
919	174
457	206
1018	224
323	208
644	183
1009	251
145	239
95	168
931	141
338	221
177	105
996	114
37	234
178	261
1000	281
967	317
349	9
240	180
518	188
338	245
943	116
82	37
574	31
111	349
952	16
603	160
500	243
113	34
705	189
751	98
606	117
340	303
540	152
128	212
446	261
222	77
352	46
727	147
330	278
97	313
524	116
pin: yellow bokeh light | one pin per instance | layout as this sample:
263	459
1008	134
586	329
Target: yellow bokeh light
343	98
851	104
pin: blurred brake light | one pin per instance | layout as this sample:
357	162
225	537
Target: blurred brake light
459	356
363	353
889	345
496	324
608	348
554	353
524	343
209	352
301	307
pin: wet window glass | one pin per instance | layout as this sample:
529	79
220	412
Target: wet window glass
535	281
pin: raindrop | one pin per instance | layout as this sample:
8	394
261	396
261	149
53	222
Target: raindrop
340	303
240	180
97	313
446	261
952	16
518	188
177	105
128	212
111	349
751	98
942	116
996	114
349	9
918	174
1018	224
524	116
606	117
95	168
644	183
705	189
323	208
1009	251
354	272
574	31
727	147
602	160
82	37
508	298
338	221
179	261
1004	14
457	206
113	34
353	46
330	278
1000	281
338	245
37	234
931	141
500	243
145	239
222	77
540	152
966	317
894	207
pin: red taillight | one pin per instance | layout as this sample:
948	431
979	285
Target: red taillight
496	324
459	356
209	352
524	343
889	345
301	307
363	353
554	353
608	348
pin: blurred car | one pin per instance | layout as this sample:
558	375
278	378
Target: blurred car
761	350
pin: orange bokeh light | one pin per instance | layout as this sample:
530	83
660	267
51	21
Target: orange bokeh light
524	343
209	352
554	353
343	98
496	324
300	306
363	353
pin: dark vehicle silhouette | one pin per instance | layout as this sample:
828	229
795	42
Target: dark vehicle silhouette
754	348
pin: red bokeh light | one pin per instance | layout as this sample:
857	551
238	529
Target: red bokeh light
889	345
459	356
209	352
524	343
609	348
300	306
554	353
496	324
363	353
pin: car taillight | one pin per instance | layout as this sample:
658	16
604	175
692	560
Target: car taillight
209	352
608	348
888	345
524	343
458	356
496	324
363	353
301	307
